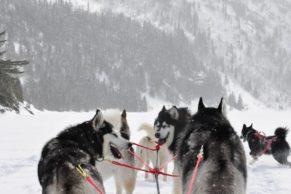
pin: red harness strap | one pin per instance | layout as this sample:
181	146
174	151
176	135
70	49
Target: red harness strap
88	178
200	157
268	142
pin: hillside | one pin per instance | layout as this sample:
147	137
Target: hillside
248	41
80	59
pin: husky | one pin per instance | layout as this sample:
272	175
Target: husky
223	168
275	145
125	179
82	145
169	127
150	156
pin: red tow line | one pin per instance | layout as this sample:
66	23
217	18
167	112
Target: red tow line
155	171
200	157
158	147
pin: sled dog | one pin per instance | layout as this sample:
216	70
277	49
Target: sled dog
223	167
124	178
169	127
259	144
81	145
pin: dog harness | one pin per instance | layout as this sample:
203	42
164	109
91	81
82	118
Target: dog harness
88	178
267	142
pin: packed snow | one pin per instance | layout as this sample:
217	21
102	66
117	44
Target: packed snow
23	136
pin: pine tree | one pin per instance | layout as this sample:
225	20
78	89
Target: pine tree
144	104
232	100
240	104
10	86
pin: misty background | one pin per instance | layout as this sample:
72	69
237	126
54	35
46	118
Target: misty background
79	55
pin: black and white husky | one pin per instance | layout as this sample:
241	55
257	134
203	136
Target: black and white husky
124	178
275	145
223	168
169	127
83	145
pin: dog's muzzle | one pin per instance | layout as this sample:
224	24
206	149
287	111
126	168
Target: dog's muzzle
242	137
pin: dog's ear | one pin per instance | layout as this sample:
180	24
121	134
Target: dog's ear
174	113
97	120
244	126
164	109
219	108
124	129
251	126
201	105
123	114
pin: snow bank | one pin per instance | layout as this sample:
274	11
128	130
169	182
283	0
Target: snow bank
23	136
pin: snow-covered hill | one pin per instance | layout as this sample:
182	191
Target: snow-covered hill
248	41
23	136
175	50
79	59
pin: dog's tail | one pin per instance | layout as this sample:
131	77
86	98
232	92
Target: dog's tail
281	132
141	153
148	128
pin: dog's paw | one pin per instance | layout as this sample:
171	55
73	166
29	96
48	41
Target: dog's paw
252	161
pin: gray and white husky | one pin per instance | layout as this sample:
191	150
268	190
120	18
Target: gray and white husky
223	168
124	178
84	144
169	128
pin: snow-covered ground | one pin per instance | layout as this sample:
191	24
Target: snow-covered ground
22	137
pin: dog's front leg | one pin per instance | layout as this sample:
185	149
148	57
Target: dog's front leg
118	186
165	171
177	189
146	173
253	160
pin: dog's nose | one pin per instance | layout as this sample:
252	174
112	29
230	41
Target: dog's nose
157	135
129	145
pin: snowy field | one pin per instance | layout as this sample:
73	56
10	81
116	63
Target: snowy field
23	136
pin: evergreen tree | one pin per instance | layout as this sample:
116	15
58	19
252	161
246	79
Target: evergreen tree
232	100
10	86
80	60
144	104
240	104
